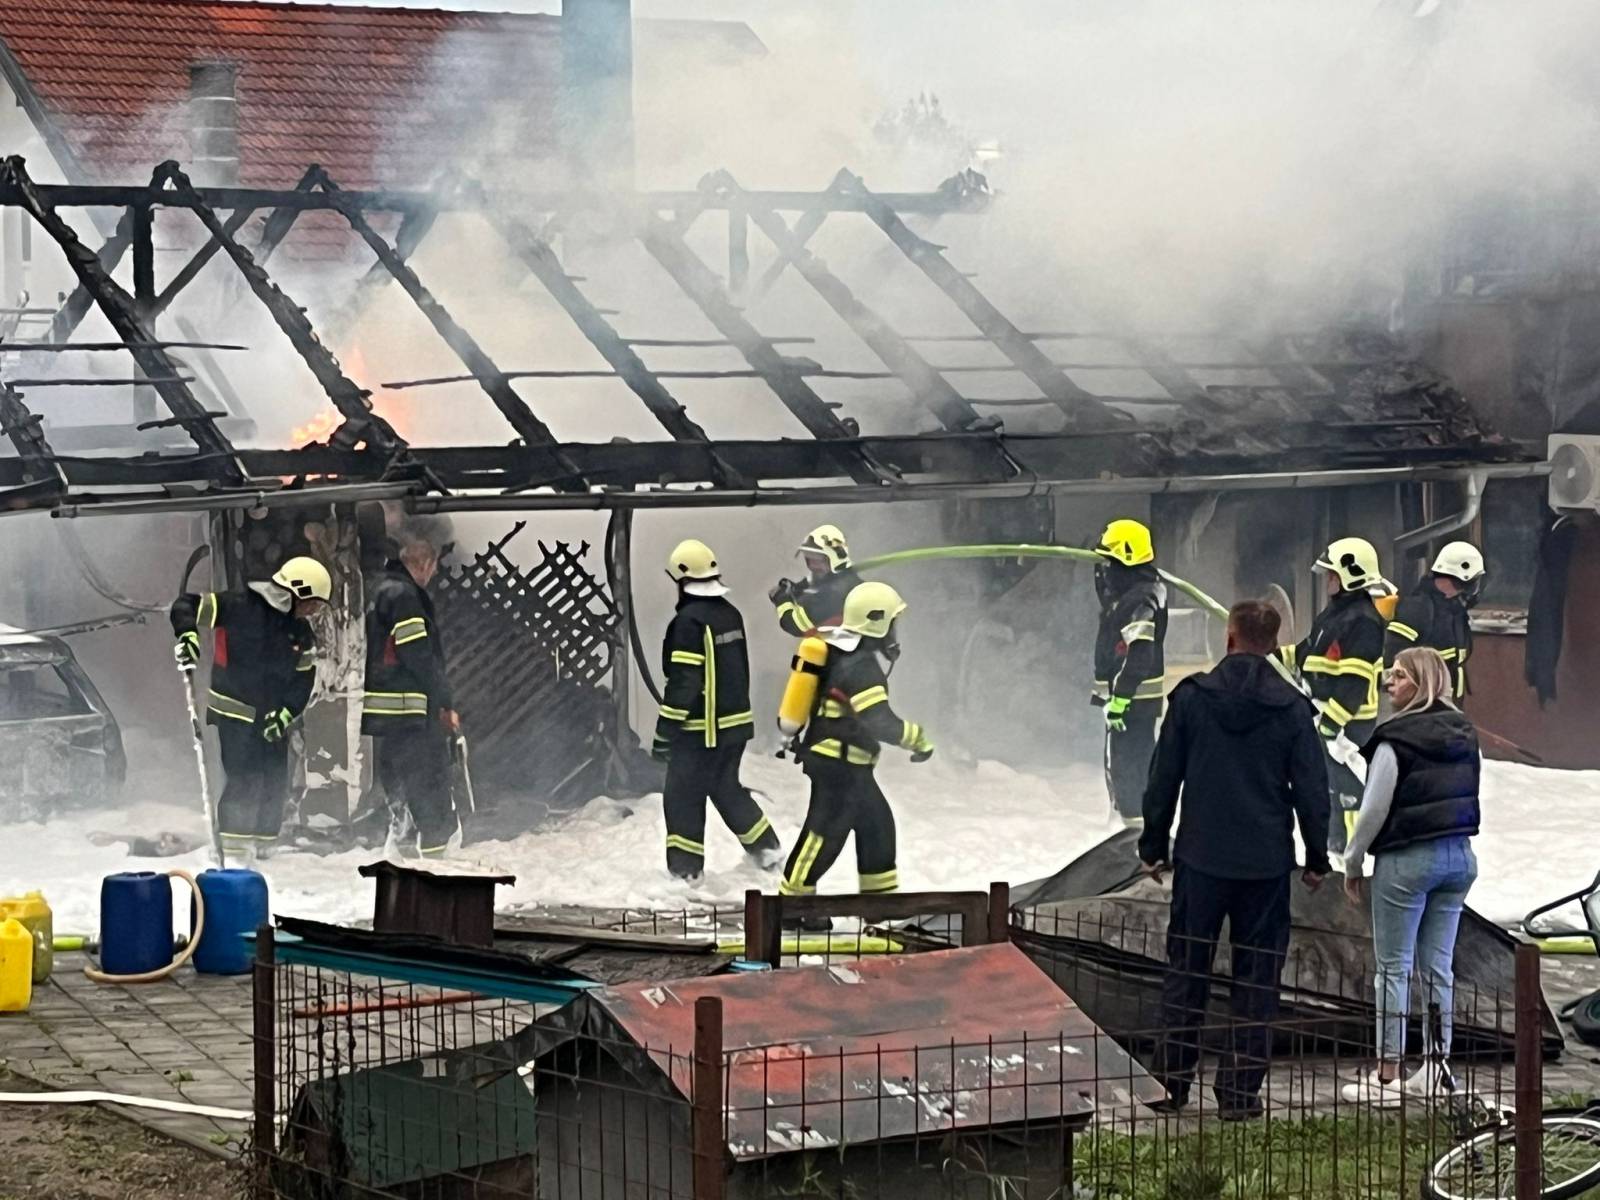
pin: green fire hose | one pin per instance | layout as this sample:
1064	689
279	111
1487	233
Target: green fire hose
1025	550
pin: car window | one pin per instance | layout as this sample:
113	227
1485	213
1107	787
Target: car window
28	693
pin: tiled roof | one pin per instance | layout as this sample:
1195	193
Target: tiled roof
378	96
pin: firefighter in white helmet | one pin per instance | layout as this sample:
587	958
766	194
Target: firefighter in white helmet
1341	662
1435	612
705	719
850	724
818	600
263	666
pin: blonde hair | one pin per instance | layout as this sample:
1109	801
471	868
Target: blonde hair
1428	671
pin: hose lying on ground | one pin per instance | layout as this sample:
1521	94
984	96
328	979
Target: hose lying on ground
188	951
175	1106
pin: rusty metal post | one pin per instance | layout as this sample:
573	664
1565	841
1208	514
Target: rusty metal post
1529	1073
755	942
264	1036
999	913
706	1116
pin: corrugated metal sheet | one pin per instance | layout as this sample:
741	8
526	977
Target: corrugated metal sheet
885	1048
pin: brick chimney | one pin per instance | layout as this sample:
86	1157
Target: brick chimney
597	92
214	124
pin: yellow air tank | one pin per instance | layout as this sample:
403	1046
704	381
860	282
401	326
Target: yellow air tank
16	966
800	693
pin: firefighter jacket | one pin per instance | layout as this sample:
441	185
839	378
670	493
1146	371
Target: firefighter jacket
262	660
406	684
819	603
1129	659
707	667
1341	660
853	717
1427	617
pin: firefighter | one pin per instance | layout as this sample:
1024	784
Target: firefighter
263	666
839	748
1435	613
407	709
705	720
1341	660
1129	666
818	601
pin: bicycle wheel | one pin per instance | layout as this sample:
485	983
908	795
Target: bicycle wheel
1484	1167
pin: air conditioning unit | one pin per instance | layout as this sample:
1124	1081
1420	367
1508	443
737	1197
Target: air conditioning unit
1575	471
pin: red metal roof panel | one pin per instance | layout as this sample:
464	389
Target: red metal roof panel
886	1047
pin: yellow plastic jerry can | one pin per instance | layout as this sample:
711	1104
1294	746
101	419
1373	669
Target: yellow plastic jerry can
31	909
16	966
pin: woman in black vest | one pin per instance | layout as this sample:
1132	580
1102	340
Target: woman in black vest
1417	817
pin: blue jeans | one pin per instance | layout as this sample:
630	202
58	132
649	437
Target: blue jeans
1417	895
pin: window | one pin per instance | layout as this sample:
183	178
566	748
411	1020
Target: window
1514	515
30	692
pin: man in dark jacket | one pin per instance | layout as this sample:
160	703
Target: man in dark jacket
705	720
819	601
1239	743
407	709
263	667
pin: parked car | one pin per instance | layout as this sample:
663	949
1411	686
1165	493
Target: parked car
60	745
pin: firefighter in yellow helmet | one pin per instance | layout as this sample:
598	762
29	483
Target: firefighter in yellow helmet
705	720
852	720
1129	662
263	666
1341	660
819	599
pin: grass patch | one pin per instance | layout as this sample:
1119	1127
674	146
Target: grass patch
1304	1158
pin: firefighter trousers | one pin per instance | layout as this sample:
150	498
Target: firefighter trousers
413	765
1128	755
697	773
844	800
256	784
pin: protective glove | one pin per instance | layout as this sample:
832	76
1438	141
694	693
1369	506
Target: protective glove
661	746
187	651
922	748
277	724
1116	713
784	592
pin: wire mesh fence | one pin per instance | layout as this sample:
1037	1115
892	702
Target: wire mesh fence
381	1087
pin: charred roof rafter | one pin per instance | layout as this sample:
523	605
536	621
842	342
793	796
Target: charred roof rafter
122	313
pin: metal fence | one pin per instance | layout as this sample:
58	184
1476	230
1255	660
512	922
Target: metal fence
370	1086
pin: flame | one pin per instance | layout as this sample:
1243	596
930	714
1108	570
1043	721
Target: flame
315	430
391	406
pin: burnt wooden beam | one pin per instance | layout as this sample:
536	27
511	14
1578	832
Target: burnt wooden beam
76	306
144	259
540	258
804	230
121	312
414	227
76	195
25	429
1081	407
738	251
343	392
534	432
927	385
197	263
782	375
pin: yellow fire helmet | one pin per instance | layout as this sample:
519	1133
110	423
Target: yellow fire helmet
1354	561
692	559
1128	542
828	541
305	577
870	609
